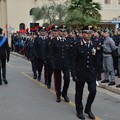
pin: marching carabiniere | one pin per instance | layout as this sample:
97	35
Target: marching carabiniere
83	71
4	54
53	36
60	63
40	52
31	55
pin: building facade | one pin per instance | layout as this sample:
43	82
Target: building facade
110	9
15	14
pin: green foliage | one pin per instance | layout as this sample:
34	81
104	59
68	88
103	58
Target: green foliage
83	12
54	13
45	25
61	11
79	13
37	14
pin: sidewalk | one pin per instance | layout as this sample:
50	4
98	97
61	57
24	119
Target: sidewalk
101	85
19	55
110	88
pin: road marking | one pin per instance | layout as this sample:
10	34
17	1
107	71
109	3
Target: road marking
52	91
10	65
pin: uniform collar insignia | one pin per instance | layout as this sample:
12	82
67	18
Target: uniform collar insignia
81	43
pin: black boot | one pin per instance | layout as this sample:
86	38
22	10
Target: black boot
118	86
58	99
90	114
81	116
0	82
5	81
105	81
48	86
39	78
66	98
0	77
111	83
118	76
35	77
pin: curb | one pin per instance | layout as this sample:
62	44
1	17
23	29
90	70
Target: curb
18	55
110	88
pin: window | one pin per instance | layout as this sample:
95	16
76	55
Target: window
22	26
32	25
107	1
31	11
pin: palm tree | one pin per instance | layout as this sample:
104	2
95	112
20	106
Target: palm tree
37	14
43	13
61	10
83	12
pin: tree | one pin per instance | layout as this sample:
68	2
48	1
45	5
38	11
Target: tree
37	14
54	13
61	10
83	12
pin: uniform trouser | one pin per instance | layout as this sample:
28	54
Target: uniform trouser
3	68
34	67
50	72
0	75
108	68
79	94
58	81
99	67
40	65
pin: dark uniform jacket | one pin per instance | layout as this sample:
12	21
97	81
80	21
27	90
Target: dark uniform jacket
47	51
4	50
40	48
97	42
31	50
83	62
59	54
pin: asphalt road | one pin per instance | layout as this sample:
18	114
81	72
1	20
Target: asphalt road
27	99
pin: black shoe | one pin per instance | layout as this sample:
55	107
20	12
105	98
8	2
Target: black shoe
99	78
58	99
5	81
105	81
90	114
46	83
34	77
111	83
81	116
39	78
66	98
118	76
0	83
118	86
48	86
